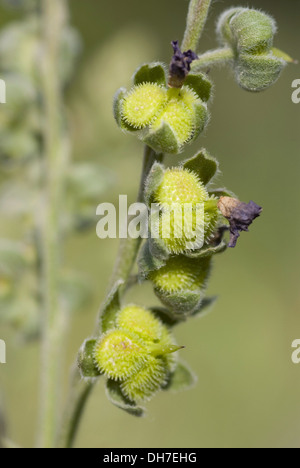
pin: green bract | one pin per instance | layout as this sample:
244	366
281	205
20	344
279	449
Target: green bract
164	118
250	34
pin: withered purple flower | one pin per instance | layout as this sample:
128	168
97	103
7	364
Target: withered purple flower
180	65
240	215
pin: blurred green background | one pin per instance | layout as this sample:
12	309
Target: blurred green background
248	388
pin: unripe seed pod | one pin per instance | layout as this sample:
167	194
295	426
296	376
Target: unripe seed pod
189	216
247	30
142	104
145	383
250	34
139	353
224	31
141	322
163	118
181	283
181	120
258	72
180	186
119	354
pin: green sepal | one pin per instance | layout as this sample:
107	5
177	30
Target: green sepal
153	181
162	140
246	30
205	307
182	303
204	165
158	249
253	31
166	316
282	55
221	192
257	72
148	262
200	84
170	320
201	118
224	31
157	246
117	111
208	251
85	360
150	73
111	308
116	397
181	379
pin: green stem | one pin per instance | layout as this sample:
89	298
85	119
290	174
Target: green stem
79	393
196	19
127	255
129	247
53	16
212	57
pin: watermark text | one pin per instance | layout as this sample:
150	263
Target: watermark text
2	352
296	353
296	93
174	221
2	92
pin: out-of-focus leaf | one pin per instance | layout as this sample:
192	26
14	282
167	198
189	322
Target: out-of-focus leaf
16	199
75	290
13	257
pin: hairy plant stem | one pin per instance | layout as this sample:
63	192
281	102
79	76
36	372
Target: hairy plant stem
129	247
196	19
81	389
211	58
53	17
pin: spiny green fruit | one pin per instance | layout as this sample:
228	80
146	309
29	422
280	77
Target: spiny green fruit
141	322
189	216
162	117
119	354
139	353
181	283
180	186
250	33
185	114
143	103
145	383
